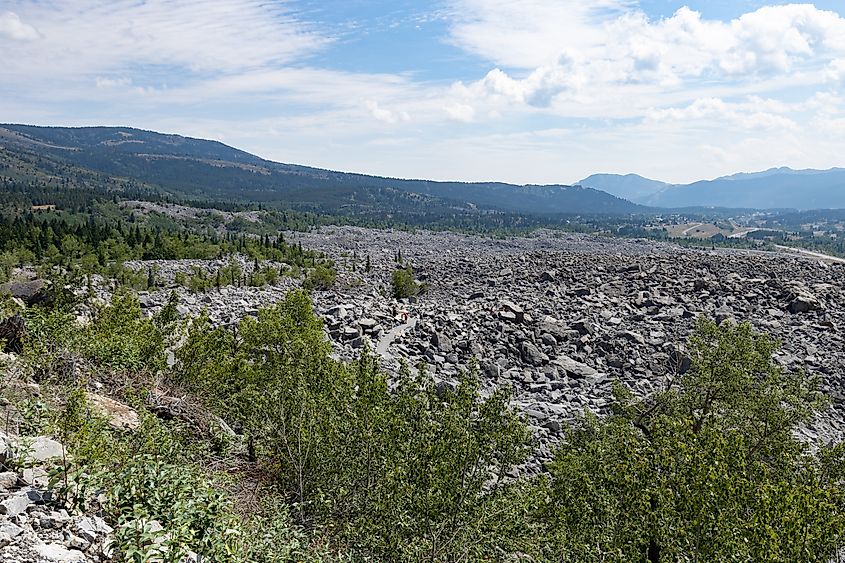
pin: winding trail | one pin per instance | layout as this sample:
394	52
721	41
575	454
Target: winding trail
388	338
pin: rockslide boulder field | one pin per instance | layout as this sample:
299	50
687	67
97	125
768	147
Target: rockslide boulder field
556	317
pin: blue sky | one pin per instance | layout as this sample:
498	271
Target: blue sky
528	91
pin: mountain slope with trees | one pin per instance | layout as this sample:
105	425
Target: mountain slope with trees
632	187
203	169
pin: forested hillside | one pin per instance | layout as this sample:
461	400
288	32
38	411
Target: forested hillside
199	169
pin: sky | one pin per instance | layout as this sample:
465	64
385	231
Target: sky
524	91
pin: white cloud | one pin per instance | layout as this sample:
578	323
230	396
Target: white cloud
460	112
103	82
751	114
538	89
385	115
93	37
573	49
835	71
530	33
12	27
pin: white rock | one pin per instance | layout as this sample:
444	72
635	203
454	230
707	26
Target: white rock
120	416
8	479
57	552
41	448
15	504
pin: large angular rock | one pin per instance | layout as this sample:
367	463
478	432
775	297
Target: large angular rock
555	329
30	292
58	552
16	504
350	333
513	310
90	527
440	341
532	355
11	530
575	369
803	303
367	325
42	448
583	326
549	276
8	480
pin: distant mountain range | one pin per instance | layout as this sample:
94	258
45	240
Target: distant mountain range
201	169
630	186
778	188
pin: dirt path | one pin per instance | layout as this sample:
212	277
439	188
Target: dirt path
388	338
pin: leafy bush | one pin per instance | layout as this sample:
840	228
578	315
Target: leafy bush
394	475
8	262
707	470
270	275
119	336
194	514
320	278
148	478
404	285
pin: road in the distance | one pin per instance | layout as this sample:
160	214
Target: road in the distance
810	253
697	225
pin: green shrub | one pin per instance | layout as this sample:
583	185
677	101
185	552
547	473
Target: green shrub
394	475
320	278
8	262
270	274
708	470
121	337
147	477
404	284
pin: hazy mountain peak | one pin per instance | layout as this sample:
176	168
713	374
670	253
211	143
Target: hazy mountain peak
632	187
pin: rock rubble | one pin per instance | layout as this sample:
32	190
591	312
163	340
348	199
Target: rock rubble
560	317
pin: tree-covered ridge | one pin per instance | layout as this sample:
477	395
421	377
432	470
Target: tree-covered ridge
196	168
354	467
